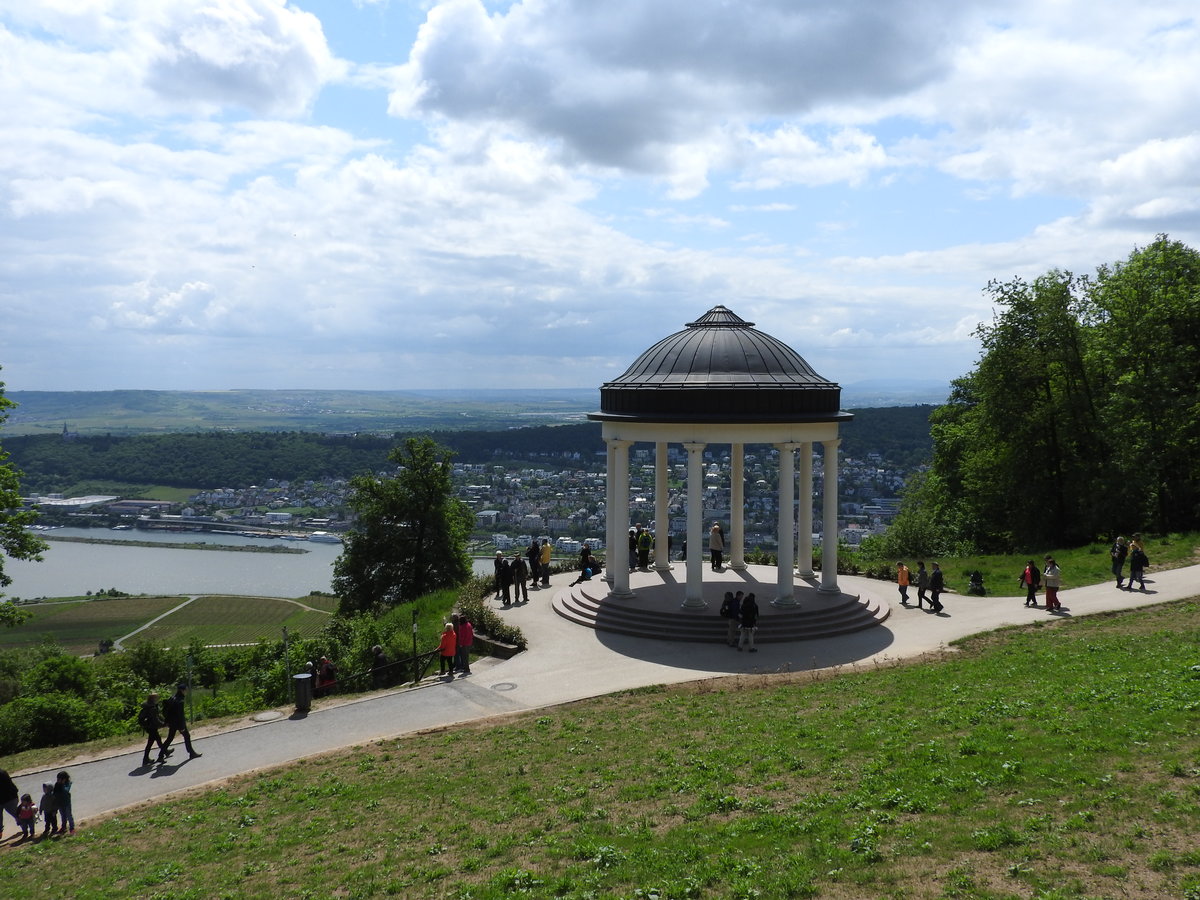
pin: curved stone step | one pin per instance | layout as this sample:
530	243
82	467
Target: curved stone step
655	614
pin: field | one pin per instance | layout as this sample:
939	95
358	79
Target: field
1057	762
79	626
234	620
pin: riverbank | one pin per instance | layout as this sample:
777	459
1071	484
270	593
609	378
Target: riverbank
176	545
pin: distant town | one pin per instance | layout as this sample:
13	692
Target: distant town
560	497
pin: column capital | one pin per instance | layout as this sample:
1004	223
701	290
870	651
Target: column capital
619	443
832	444
693	446
788	445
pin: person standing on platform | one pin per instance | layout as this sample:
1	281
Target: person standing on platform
716	545
520	579
749	623
544	562
534	556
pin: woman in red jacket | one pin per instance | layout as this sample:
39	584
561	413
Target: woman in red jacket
448	648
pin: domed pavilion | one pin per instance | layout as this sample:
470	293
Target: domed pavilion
718	382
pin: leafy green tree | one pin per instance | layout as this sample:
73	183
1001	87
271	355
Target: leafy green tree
411	532
15	540
1017	446
1145	312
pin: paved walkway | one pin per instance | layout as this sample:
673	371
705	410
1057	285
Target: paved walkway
567	662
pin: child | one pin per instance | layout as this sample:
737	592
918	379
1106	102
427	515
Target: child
26	816
49	810
449	647
62	797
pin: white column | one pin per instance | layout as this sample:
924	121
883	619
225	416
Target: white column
618	551
737	508
804	529
610	504
829	504
785	594
693	596
662	510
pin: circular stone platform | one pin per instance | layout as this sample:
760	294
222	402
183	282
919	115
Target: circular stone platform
655	611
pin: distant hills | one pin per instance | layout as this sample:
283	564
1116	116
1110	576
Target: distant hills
377	412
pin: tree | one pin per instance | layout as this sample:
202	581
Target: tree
15	541
411	533
1146	315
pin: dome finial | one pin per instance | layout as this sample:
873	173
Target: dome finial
720	315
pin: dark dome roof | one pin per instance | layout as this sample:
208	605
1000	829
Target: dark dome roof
721	369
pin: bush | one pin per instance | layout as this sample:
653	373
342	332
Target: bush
471	600
53	719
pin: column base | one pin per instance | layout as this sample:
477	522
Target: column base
625	594
802	573
694	603
738	567
834	589
786	602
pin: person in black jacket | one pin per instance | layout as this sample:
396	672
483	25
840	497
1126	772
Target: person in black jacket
749	623
937	583
176	717
8	799
150	718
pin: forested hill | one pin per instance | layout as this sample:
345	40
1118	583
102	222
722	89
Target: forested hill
900	435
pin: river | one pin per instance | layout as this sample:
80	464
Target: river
71	569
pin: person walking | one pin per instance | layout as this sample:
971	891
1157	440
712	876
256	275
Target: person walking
151	720
937	583
749	623
544	562
175	712
922	583
447	648
1137	563
903	577
731	610
1052	575
379	667
26	816
62	800
1031	579
1118	552
464	640
9	799
48	807
716	545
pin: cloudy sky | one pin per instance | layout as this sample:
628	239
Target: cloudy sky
212	194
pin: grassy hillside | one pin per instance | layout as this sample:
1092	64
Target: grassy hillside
1051	761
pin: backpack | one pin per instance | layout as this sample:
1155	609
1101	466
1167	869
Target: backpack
146	719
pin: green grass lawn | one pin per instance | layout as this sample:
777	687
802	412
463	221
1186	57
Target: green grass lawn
1052	761
1080	566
